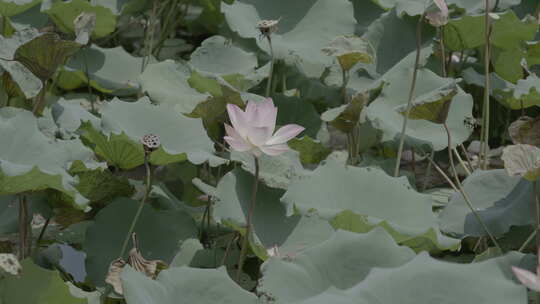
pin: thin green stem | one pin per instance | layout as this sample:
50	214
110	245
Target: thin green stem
462	191
428	170
141	205
245	242
527	241
487	86
271	72
461	162
443	51
411	94
42	233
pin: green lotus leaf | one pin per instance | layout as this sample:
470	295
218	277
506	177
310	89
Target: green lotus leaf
316	269
311	151
30	161
271	226
44	54
391	48
218	56
64	13
365	12
524	94
274	171
137	119
180	285
158	232
433	106
508	32
10	8
525	130
46	285
117	149
305	28
298	111
420	133
478	6
375	198
522	160
424	279
65	117
507	63
28	83
501	201
166	83
111	70
346	117
349	51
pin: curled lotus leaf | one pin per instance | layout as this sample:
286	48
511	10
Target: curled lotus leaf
349	51
525	130
432	106
522	160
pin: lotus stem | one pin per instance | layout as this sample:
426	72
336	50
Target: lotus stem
428	170
484	138
443	51
461	162
23	226
271	72
444	175
249	228
411	94
462	191
527	241
462	147
147	191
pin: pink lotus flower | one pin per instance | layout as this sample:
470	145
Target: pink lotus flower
438	18
253	130
528	278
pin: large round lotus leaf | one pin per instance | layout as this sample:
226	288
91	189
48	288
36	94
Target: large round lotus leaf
219	56
184	285
477	6
426	280
365	12
25	79
31	161
271	226
167	83
349	51
159	234
502	201
304	29
367	197
64	13
10	8
381	112
178	133
111	70
36	285
391	48
274	171
65	117
342	261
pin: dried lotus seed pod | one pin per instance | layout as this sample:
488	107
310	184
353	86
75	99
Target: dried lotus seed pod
150	142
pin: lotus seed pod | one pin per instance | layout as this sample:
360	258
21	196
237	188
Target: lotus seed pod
150	142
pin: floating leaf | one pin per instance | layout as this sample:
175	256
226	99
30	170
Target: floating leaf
374	197
522	160
65	13
306	29
158	231
500	200
433	106
316	269
184	284
349	51
47	287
